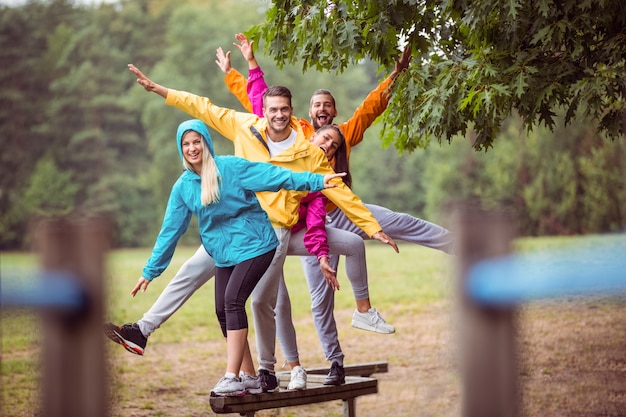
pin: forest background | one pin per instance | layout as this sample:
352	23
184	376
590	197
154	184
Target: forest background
79	136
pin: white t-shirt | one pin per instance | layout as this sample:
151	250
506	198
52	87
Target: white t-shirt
278	147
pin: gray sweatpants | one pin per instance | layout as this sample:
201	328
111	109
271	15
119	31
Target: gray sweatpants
194	273
398	226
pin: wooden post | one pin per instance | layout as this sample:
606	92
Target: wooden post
74	374
349	406
487	333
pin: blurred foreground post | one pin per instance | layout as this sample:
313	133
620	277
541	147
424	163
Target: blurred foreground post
74	375
487	333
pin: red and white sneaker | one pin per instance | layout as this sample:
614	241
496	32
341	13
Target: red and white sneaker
127	335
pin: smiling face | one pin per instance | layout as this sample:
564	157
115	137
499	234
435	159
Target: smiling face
328	139
277	110
191	144
322	110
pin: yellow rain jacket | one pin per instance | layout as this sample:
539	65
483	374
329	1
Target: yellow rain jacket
247	131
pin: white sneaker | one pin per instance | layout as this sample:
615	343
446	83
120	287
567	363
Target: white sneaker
298	378
250	383
371	320
229	387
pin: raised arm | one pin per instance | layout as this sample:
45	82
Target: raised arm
402	63
256	81
245	47
223	60
248	92
374	104
360	215
264	176
343	197
147	83
227	122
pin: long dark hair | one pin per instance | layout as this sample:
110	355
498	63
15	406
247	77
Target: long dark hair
340	158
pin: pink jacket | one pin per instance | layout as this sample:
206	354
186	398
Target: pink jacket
312	209
312	215
256	88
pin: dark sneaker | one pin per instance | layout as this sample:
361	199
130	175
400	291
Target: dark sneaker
336	376
128	336
269	383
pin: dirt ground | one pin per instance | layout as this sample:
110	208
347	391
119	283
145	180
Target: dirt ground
573	363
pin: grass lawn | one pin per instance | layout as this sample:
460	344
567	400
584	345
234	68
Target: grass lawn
187	355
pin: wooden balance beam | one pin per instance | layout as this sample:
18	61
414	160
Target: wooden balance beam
357	383
358	369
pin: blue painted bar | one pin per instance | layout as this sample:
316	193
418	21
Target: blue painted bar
599	270
51	289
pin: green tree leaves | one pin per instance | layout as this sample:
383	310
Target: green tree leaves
552	182
475	62
79	135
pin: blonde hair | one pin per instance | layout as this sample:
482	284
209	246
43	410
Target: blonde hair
209	177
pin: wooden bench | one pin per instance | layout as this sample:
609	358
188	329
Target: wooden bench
359	369
358	382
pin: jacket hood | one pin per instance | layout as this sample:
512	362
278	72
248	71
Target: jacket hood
198	126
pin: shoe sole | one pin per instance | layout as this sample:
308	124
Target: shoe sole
369	328
343	381
229	394
254	391
298	388
128	345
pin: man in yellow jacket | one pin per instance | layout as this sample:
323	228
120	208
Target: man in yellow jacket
278	139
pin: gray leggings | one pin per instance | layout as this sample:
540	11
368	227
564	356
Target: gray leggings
340	242
399	226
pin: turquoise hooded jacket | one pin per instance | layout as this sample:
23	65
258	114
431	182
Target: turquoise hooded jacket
235	228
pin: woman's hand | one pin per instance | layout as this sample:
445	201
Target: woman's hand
381	236
329	177
244	46
142	284
329	273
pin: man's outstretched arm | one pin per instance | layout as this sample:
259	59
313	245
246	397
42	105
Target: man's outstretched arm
374	104
147	83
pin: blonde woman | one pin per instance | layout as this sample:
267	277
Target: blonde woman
235	231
